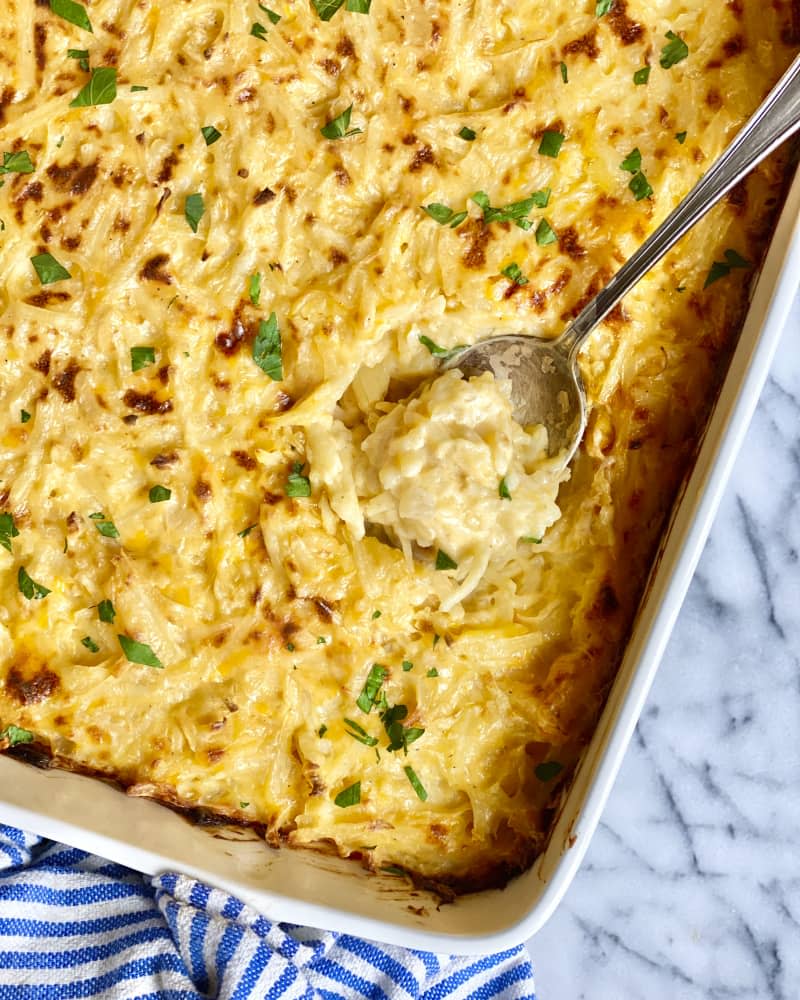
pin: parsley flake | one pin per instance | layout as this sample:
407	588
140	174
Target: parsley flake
158	494
350	796
139	652
101	89
407	665
267	352
210	134
545	234
106	528
8	530
632	162
640	186
721	269
443	561
514	274
327	8
322	730
49	269
254	288
106	612
141	357
15	735
246	531
433	672
274	18
82	55
564	72
516	212
258	30
675	51
30	588
443	215
359	733
503	490
641	76
90	644
550	143
24	416
681	137
372	686
243	805
73	12
541	199
194	209
298	485
339	127
445	353
416	784
17	163
548	769
602	7
467	134
376	614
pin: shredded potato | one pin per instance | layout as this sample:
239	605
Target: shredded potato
206	441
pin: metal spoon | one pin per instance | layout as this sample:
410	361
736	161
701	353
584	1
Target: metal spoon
546	386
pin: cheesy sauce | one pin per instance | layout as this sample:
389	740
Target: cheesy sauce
215	587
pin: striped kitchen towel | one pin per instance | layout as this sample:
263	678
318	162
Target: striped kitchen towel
74	925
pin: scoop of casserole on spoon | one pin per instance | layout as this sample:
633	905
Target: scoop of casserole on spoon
544	377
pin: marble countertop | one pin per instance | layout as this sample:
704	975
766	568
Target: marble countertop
691	886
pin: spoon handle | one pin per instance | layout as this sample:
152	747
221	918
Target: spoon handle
774	121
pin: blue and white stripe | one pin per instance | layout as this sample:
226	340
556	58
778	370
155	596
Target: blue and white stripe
75	926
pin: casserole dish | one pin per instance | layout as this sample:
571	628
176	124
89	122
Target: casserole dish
308	888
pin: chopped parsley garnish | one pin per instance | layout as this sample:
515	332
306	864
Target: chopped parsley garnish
436	638
267	352
394	870
101	89
433	672
106	612
322	730
640	186
675	51
681	137
407	665
339	127
327	8
514	274
321	640
8	530
139	652
440	352
602	7
443	215
550	143
641	76
545	234
30	588
548	769
82	55
246	531
194	209
254	288
350	796
73	12
257	30
516	212
290	646
564	72
158	494
372	686
633	161
243	805
15	735
376	614
359	733
297	485
416	784
503	490
541	199
90	644
274	18
17	163
443	561
24	416
104	526
721	269
532	539
210	134
48	269
141	357
137	88
467	134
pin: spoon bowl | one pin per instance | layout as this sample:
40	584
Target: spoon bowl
545	379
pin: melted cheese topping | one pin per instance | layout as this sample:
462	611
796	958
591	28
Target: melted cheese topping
267	636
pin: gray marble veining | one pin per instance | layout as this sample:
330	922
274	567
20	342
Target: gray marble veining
691	887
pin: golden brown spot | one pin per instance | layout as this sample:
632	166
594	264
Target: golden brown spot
230	340
31	192
478	235
243	172
43	299
264	196
714	99
6	98
569	243
166	192
336	257
215	755
331	66
167	168
342	176
30	690
407	104
244	459
245	96
40	45
64	381
74	177
409	140
737	197
585	45
153	269
625	28
436	32
71	242
162	459
202	490
324	609
146	402
423	156
345	48
42	363
283	402
121	224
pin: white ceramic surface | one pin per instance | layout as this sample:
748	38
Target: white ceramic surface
691	886
304	888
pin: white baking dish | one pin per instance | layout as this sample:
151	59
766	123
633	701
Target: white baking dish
307	888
